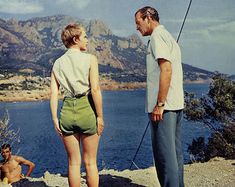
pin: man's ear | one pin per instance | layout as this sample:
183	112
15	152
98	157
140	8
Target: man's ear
148	18
75	39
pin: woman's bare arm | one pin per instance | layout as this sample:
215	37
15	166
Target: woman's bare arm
54	102
96	94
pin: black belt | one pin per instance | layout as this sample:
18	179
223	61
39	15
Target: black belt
77	96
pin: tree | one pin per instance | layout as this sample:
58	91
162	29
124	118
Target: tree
216	110
7	135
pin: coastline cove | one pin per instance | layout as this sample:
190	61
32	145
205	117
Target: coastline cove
125	122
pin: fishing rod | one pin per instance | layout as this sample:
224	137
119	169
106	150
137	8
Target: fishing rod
132	162
182	26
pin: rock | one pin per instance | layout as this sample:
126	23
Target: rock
5	185
97	28
196	175
47	175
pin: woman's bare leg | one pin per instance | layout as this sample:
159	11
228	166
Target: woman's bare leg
72	147
90	147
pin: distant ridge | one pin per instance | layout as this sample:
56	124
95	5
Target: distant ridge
35	44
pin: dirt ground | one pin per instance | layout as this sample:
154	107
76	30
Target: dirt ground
215	173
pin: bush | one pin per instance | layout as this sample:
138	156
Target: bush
8	135
216	110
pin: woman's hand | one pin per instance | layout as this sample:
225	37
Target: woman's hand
100	125
57	127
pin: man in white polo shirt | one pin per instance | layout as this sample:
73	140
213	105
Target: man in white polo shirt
164	97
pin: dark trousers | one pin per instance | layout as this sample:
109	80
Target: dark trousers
167	151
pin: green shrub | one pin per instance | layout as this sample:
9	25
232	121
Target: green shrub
216	111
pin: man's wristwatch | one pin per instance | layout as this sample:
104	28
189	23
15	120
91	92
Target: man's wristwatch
160	104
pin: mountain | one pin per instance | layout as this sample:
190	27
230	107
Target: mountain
33	45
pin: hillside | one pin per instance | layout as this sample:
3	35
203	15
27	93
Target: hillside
31	47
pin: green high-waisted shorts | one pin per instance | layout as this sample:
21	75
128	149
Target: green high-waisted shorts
78	115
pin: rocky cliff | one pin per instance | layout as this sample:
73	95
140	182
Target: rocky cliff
34	45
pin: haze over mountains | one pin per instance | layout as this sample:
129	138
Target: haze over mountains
34	44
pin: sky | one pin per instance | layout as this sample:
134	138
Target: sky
207	40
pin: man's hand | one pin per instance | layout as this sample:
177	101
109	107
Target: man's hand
100	125
157	113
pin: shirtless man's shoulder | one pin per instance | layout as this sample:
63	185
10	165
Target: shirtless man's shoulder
17	158
21	160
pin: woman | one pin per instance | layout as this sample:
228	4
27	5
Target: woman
81	116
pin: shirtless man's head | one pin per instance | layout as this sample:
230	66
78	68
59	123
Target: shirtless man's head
6	151
10	166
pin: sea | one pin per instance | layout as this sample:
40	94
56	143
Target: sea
125	123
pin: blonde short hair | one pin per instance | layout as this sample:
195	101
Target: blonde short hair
69	32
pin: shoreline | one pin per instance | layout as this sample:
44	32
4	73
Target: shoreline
23	89
42	95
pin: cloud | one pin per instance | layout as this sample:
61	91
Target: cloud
209	44
225	27
199	31
20	7
222	34
72	3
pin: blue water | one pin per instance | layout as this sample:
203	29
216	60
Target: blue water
125	124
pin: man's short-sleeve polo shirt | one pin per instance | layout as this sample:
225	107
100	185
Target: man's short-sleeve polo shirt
163	46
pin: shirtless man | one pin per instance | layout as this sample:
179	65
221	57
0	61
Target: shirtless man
10	166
